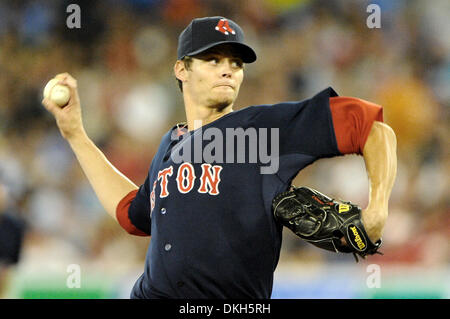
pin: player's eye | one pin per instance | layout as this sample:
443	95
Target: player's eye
237	64
213	60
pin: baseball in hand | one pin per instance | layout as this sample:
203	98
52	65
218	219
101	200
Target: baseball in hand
59	94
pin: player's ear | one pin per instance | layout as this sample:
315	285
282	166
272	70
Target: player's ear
180	70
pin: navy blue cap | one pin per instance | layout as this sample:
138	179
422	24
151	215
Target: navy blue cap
204	33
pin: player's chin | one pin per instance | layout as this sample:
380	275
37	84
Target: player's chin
223	98
220	103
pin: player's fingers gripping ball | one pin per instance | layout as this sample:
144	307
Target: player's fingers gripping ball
323	221
57	93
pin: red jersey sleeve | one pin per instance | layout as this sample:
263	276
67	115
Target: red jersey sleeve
352	121
122	211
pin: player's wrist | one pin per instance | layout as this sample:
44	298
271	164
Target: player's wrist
374	219
76	137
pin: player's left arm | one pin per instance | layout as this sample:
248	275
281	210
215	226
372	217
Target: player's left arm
380	157
359	129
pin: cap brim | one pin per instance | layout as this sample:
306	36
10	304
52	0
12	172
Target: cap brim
247	53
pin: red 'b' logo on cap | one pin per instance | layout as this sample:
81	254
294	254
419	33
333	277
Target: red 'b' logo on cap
224	27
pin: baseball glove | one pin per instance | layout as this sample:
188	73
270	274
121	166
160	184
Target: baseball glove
323	221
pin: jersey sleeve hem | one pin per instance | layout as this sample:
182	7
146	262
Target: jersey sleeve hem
352	122
123	217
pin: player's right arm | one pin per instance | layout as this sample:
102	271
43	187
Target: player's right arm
110	185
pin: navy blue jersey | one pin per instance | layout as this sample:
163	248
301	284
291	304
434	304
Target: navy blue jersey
212	231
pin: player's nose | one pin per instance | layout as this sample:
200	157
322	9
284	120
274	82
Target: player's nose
226	74
226	69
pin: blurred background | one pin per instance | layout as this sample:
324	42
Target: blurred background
122	57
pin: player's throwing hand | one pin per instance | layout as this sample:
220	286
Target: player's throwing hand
68	119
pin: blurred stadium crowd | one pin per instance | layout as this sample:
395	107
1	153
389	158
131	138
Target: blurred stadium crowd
122	57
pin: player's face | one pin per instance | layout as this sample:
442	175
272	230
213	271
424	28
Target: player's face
215	78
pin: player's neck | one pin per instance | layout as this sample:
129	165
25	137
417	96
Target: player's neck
200	115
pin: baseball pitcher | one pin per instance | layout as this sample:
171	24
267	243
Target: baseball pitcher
218	192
